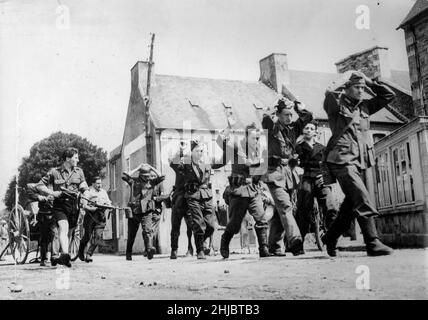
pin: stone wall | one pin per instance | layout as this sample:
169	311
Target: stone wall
403	103
416	35
372	62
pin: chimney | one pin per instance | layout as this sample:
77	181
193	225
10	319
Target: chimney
139	73
372	62
274	71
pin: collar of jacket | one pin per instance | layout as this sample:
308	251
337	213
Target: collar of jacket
315	148
63	168
349	102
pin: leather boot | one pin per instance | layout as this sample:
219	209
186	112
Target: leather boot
296	247
81	253
65	260
88	258
374	246
261	233
174	242
330	244
148	243
199	241
173	254
224	244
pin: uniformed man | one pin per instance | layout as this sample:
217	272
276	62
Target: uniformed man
65	208
312	185
143	204
245	193
282	177
94	220
47	225
179	208
196	171
349	153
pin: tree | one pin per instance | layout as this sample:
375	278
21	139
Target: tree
47	153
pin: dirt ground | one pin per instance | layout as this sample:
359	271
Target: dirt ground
314	275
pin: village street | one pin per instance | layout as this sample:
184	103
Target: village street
353	275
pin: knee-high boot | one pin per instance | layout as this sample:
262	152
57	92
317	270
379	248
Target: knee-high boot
261	233
224	244
374	246
199	241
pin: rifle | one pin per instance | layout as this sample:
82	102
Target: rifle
77	196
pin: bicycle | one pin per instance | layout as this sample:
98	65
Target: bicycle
318	225
18	235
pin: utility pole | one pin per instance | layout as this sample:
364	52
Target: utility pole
149	71
149	138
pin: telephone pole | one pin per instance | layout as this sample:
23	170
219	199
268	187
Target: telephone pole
149	138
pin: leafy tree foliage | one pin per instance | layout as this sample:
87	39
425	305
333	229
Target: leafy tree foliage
47	153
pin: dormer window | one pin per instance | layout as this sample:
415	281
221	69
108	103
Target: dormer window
194	102
257	106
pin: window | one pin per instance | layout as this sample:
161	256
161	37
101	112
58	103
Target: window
402	164
113	176
382	180
378	136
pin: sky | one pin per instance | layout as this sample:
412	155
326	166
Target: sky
73	74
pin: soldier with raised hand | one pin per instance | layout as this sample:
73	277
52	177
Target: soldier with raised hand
196	170
245	190
179	208
143	197
281	178
349	153
65	208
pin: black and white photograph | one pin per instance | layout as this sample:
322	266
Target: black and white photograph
225	151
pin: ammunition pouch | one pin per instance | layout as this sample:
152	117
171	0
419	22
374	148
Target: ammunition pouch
133	205
193	187
237	181
275	162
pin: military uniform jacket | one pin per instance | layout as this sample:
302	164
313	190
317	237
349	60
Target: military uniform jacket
176	163
244	163
349	123
310	158
281	145
143	193
196	177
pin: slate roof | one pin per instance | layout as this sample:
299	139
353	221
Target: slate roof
202	101
419	7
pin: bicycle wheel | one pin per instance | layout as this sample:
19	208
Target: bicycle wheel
19	235
318	225
74	245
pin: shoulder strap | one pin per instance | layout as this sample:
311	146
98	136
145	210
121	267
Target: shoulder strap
334	140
